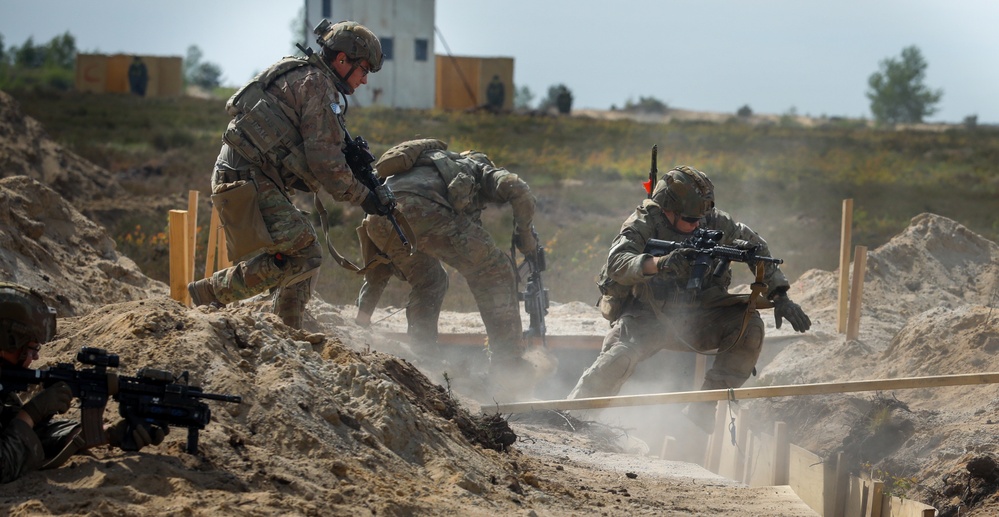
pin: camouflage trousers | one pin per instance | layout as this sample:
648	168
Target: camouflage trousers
460	242
295	251
638	335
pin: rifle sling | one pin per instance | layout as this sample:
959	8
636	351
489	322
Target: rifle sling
378	259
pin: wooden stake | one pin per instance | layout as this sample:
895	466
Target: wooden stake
213	243
782	455
856	292
822	388
844	263
192	231
178	256
742	432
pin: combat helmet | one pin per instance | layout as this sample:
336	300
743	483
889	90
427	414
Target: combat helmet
686	191
351	38
24	317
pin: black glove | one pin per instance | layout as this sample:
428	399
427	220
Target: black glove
133	438
785	308
677	262
379	201
51	400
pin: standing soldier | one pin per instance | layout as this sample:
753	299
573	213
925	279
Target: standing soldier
286	135
652	308
442	193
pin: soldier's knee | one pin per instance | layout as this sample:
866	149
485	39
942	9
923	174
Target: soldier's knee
618	362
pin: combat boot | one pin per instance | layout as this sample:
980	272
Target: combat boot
202	293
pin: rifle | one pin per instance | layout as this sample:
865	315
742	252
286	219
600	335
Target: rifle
535	296
152	397
708	249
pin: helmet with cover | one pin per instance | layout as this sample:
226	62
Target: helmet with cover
351	38
686	191
24	317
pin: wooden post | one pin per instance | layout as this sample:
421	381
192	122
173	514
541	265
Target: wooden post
669	443
213	243
841	484
178	256
844	263
712	461
742	432
192	231
223	254
782	455
876	500
856	292
930	512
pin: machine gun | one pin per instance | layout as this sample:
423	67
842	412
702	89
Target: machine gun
705	242
152	398
535	295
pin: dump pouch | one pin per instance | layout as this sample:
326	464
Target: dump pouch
613	296
245	230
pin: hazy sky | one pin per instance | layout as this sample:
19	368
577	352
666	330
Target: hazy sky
773	55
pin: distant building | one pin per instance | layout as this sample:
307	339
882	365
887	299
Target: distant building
162	76
406	31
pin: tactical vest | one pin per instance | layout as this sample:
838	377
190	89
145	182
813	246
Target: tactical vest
261	130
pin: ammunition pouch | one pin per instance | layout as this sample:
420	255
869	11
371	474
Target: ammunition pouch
242	222
613	296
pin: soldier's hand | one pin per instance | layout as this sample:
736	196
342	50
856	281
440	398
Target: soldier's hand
134	438
677	262
48	402
785	308
526	241
380	201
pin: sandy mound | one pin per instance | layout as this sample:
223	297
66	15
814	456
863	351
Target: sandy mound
26	150
46	244
928	310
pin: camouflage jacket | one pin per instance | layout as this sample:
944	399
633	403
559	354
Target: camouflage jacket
627	253
20	448
306	95
465	185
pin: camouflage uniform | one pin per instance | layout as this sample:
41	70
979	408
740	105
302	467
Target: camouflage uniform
305	94
23	449
660	314
456	237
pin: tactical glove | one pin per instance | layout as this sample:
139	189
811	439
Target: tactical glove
676	263
785	308
379	201
526	241
129	438
51	400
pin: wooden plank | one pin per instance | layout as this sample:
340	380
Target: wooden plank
856	498
806	476
856	293
782	454
192	231
178	256
712	460
761	468
842	491
213	243
876	500
749	393
844	264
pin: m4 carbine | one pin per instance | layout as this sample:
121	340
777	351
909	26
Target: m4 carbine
706	243
152	398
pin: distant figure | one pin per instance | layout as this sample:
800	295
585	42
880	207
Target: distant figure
138	76
495	94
